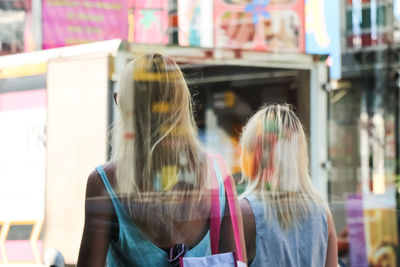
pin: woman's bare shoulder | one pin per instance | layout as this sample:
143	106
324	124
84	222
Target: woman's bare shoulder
247	212
95	186
249	226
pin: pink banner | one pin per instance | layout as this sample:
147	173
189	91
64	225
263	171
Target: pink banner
151	26
69	22
156	4
151	22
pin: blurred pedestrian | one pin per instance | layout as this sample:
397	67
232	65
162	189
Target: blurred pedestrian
150	205
286	222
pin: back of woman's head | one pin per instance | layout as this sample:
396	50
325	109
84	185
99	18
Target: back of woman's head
274	161
158	154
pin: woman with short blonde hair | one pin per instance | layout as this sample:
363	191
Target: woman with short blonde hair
286	222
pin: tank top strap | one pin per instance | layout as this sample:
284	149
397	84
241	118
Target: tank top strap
116	203
253	200
258	210
221	188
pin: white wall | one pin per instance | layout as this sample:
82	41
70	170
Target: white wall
76	144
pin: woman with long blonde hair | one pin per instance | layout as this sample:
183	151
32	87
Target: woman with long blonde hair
151	204
286	222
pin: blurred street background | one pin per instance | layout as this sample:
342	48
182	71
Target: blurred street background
337	62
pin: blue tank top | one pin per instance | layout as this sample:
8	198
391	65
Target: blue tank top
303	244
133	248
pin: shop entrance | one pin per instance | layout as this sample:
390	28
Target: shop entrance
226	96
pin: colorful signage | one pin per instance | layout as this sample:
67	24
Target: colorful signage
269	25
372	225
151	22
323	32
195	22
69	22
381	228
355	224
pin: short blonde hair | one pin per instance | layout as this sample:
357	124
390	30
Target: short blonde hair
274	161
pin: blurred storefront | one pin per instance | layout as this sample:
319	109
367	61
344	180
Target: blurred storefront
220	79
248	53
363	132
336	62
239	55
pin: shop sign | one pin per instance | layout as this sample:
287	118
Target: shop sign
380	217
195	22
269	25
150	22
323	32
356	231
372	226
69	22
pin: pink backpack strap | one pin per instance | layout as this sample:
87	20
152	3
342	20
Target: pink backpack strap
231	197
215	218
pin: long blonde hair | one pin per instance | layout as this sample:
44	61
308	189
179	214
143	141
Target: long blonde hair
161	167
274	162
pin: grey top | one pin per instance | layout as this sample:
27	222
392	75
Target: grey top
303	244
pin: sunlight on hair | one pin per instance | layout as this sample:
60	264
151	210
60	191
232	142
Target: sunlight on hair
158	156
161	107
